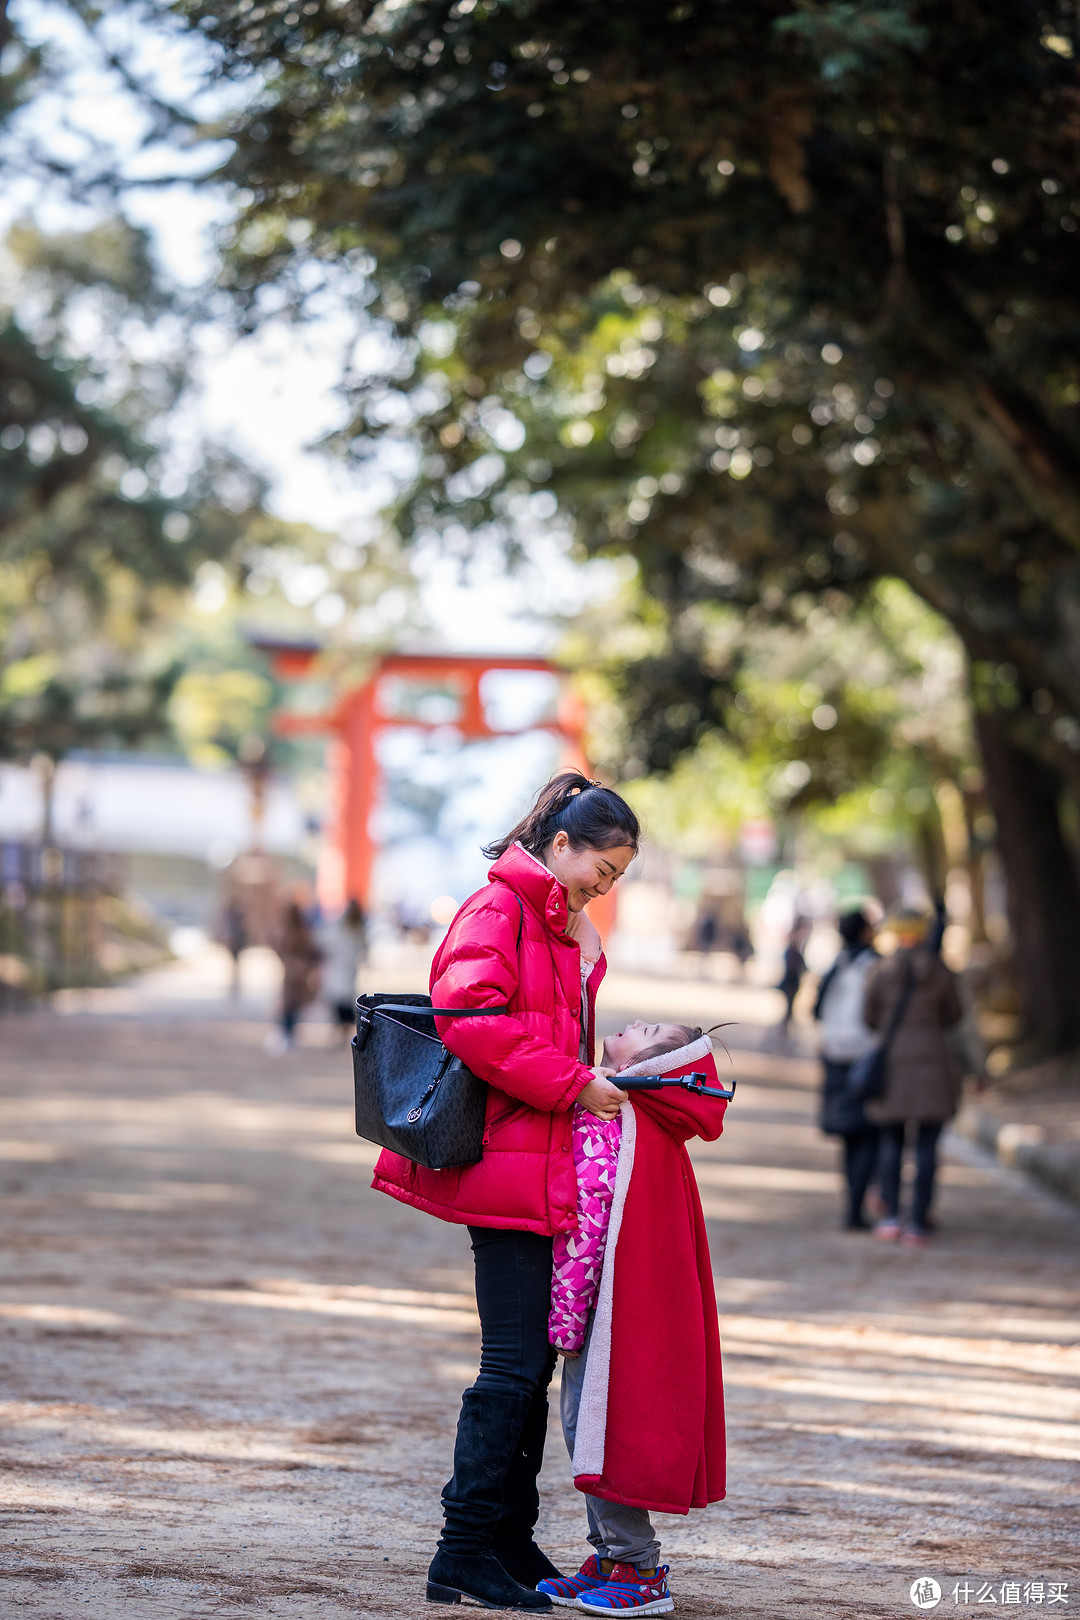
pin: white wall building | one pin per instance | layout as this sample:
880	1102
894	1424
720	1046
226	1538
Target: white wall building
159	806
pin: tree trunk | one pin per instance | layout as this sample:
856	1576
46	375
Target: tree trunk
47	771
930	842
1043	886
975	861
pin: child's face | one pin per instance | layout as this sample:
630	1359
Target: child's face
623	1049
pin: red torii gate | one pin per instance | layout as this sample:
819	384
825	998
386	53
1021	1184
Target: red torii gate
347	863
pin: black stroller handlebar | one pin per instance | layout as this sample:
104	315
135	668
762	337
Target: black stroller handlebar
694	1083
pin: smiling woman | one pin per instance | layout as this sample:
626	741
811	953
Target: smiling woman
582	831
522	947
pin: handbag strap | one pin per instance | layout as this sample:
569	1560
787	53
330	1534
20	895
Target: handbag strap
901	1006
457	1012
439	1012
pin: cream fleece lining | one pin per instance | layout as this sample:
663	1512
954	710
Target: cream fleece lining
589	1443
592	1411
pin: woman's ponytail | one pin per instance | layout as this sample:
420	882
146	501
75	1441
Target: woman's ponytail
591	815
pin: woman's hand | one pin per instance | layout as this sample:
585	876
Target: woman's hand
601	1097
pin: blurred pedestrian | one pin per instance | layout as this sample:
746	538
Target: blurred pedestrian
922	1076
707	934
345	951
742	946
300	958
845	1037
794	968
233	934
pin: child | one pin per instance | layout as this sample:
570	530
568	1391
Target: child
644	1426
579	1256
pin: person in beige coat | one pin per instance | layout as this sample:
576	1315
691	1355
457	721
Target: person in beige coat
300	958
922	1079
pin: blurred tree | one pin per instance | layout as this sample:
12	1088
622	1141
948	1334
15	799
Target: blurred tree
861	712
97	536
784	297
299	584
215	710
96	539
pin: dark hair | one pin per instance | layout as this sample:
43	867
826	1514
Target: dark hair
687	1034
591	816
853	926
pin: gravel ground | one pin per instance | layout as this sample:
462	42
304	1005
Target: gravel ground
231	1371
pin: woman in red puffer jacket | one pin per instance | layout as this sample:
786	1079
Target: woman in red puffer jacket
523	942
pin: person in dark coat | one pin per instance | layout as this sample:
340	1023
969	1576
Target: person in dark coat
922	1078
233	934
794	968
707	935
844	1038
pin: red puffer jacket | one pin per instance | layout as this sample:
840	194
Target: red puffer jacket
529	1058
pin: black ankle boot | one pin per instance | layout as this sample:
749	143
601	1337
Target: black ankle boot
479	1576
526	1563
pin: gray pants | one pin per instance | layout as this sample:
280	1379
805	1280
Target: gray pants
623	1533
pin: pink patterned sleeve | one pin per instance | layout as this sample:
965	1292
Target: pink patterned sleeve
579	1256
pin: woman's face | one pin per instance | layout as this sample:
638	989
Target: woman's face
585	873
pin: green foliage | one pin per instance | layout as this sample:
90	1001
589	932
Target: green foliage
848	37
94	553
295	585
851	721
214	711
700	805
811	270
97	541
49	707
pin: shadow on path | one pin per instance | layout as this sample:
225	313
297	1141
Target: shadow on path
232	1371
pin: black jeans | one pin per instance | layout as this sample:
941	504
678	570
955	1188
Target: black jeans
890	1164
492	1500
860	1162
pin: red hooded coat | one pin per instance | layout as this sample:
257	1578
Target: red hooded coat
650	1429
530	1061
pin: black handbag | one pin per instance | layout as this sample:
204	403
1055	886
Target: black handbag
414	1096
868	1074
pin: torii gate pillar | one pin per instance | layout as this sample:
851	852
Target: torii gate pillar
347	864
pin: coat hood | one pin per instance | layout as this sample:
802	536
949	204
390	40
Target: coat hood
696	1058
681	1114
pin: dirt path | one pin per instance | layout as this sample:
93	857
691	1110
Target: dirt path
231	1372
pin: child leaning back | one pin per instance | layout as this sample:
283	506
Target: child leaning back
644	1427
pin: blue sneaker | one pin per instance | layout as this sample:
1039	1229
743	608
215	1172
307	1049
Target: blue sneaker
566	1589
627	1591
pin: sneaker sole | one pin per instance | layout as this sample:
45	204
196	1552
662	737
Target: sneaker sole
658	1606
563	1602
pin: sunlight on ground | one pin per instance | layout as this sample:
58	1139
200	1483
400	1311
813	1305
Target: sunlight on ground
234	1371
